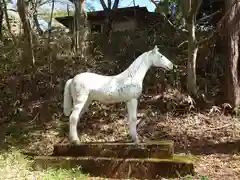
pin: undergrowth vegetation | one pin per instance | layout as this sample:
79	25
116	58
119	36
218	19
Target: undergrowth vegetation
31	100
14	165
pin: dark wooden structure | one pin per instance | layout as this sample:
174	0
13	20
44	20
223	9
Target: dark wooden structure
128	18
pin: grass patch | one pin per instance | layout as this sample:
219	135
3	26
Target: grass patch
14	165
62	174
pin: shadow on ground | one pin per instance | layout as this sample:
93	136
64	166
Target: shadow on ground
192	133
221	148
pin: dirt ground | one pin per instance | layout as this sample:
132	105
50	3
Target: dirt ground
212	136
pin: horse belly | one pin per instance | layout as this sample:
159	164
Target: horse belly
112	97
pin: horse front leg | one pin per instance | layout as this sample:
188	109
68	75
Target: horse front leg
132	119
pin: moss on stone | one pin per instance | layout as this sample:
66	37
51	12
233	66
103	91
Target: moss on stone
146	168
151	149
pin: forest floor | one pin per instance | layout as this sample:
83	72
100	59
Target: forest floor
213	137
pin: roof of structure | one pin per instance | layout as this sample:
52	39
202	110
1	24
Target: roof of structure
120	13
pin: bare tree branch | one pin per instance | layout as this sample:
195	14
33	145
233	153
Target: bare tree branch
35	5
109	4
154	2
219	25
50	22
209	16
115	5
198	5
28	47
103	4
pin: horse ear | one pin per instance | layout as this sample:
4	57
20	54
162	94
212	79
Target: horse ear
155	49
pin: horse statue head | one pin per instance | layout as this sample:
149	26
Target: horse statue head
159	60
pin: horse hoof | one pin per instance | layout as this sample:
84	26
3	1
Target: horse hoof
136	141
76	142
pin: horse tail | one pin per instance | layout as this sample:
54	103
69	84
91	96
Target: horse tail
67	99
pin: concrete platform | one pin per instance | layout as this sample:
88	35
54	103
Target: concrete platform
151	149
121	168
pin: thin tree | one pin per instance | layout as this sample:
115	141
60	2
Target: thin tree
50	22
80	26
189	10
109	11
28	54
1	19
232	29
35	5
4	4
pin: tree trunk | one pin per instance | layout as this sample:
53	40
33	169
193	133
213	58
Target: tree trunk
192	56
232	89
28	54
77	24
7	21
35	16
190	10
1	19
50	23
80	26
166	7
110	11
36	23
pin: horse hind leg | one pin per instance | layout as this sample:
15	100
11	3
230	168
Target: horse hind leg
85	108
79	104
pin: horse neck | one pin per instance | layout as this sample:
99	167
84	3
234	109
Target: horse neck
138	69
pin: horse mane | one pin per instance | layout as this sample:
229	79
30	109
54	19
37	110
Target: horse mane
136	63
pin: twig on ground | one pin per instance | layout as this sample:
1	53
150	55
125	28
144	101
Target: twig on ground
218	128
2	84
35	117
214	109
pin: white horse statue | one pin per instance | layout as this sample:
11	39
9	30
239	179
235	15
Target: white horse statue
80	91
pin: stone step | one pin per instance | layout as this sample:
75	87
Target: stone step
152	149
120	168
